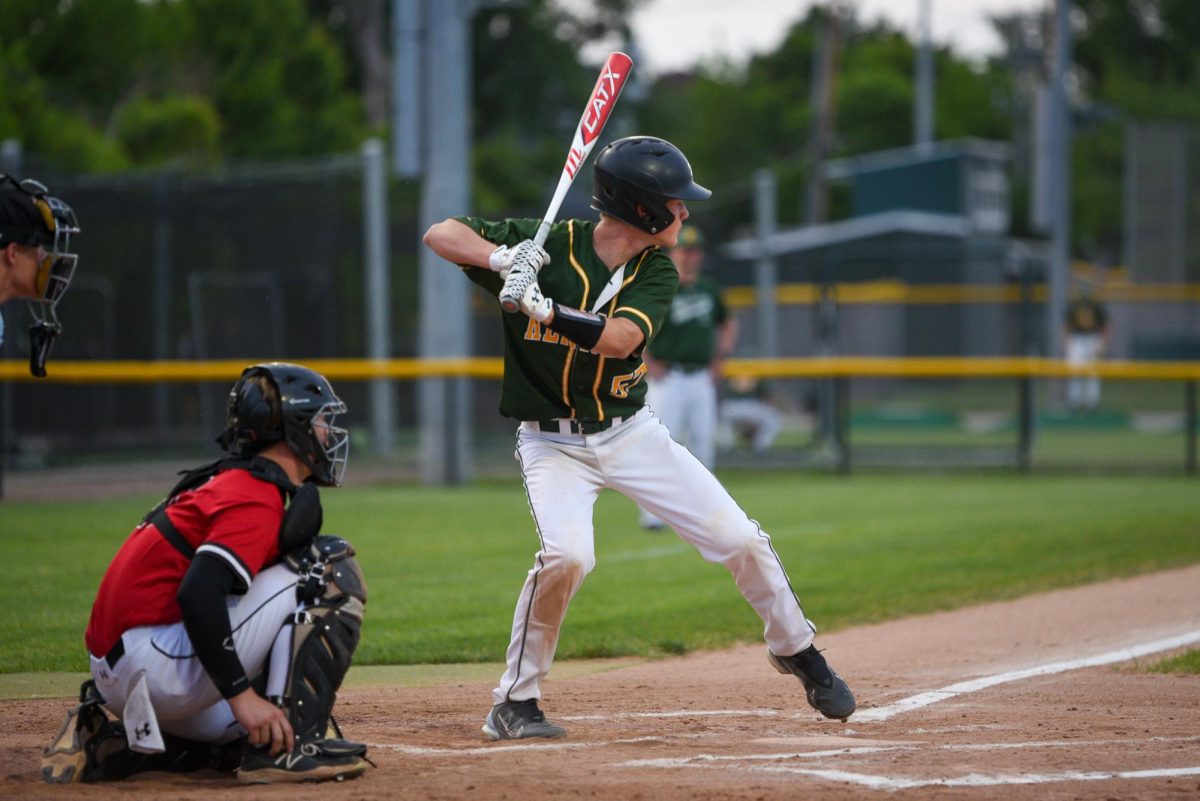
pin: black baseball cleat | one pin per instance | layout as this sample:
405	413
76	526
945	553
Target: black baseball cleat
826	691
320	761
519	720
71	755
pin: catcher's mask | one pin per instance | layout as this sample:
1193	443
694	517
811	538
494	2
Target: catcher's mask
301	412
634	178
33	218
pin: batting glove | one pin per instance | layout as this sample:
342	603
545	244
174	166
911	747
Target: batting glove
527	253
501	260
531	254
534	304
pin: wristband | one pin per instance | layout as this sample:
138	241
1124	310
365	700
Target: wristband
581	327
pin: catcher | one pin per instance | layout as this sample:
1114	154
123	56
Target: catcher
225	623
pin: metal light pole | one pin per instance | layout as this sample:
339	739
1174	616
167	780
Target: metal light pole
1060	182
923	109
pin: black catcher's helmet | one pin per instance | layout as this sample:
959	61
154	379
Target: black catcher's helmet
304	419
643	171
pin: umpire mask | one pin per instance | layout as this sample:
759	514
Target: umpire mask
29	216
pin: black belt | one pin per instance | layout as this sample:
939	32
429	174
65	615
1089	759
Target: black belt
687	367
115	654
565	426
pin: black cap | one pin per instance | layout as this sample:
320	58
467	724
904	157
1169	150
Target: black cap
20	219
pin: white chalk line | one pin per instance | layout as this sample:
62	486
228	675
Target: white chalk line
681	713
700	760
869	715
978	779
670	762
920	700
875	782
525	745
961	688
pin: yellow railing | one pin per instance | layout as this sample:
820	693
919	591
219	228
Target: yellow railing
153	372
896	292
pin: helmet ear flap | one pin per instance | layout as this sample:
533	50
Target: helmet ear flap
253	408
249	415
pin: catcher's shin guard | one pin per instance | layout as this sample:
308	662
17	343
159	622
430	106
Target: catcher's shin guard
324	636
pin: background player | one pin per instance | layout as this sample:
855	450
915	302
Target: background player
207	586
747	411
36	262
1085	333
573	376
684	358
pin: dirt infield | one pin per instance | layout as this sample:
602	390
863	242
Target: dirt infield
1033	698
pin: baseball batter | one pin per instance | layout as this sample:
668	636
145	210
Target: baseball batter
574	377
225	575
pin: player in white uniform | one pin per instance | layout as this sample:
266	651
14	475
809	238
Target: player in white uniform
573	377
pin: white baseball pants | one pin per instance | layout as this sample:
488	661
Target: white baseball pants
686	402
564	474
186	702
1083	392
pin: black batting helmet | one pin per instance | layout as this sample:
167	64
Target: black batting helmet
645	172
302	415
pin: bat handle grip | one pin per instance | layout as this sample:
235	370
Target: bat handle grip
510	297
508	301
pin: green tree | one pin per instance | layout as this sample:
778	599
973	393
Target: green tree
278	81
98	85
1133	61
529	89
732	121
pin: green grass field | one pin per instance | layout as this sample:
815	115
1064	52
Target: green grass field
444	565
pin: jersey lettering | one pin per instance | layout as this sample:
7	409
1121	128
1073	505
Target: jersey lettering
687	308
621	384
535	332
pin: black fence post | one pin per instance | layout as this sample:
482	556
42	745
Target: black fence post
1025	422
1189	427
841	423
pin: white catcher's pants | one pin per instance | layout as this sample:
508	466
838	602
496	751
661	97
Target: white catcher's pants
185	700
563	477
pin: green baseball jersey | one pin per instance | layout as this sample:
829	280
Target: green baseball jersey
547	376
689	333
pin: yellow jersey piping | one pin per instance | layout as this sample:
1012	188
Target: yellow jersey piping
600	372
587	286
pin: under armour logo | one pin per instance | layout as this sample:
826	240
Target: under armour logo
142	731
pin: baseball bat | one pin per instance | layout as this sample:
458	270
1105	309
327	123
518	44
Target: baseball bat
595	114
